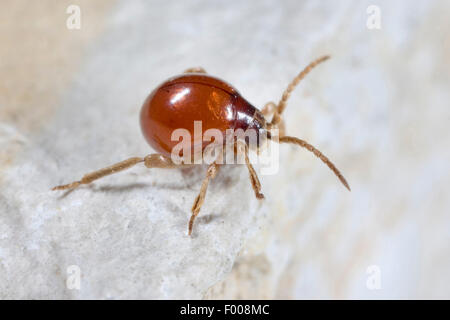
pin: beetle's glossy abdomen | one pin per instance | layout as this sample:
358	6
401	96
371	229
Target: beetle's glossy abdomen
181	100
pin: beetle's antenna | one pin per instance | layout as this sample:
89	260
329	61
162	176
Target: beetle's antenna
318	154
287	93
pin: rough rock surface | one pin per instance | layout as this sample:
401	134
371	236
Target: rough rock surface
379	108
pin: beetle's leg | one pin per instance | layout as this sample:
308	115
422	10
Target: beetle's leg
157	160
318	154
286	94
269	110
195	70
150	161
256	185
210	174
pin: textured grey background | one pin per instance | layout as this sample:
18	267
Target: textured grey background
379	109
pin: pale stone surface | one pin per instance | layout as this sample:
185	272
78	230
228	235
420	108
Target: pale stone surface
378	109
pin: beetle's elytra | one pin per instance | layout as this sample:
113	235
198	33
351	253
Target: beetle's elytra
181	100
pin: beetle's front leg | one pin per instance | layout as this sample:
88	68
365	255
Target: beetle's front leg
270	110
210	174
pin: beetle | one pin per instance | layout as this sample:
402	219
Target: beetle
195	95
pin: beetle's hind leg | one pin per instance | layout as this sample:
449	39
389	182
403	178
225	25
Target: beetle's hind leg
195	70
150	161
